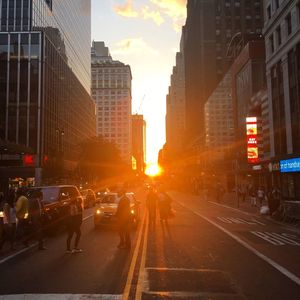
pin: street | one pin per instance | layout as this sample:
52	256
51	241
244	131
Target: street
207	251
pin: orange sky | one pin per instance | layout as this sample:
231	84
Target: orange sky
144	34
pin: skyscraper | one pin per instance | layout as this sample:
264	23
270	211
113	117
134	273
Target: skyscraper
45	104
111	90
139	141
213	31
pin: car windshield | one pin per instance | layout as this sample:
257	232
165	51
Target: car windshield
110	199
50	194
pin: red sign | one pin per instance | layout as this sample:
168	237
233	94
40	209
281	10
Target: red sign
29	160
252	148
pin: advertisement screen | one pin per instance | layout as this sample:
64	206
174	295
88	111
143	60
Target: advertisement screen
252	143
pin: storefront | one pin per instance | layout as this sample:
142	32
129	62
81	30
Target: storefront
290	179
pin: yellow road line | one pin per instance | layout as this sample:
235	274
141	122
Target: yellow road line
138	295
133	261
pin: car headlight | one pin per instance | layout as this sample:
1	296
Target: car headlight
1	214
98	212
132	212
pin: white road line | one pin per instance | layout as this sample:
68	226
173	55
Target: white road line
27	249
61	297
271	262
232	208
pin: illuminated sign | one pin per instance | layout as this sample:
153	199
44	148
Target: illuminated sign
252	148
29	160
290	165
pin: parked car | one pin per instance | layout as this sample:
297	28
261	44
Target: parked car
105	211
89	198
54	202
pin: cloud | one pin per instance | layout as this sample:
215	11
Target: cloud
126	10
175	9
133	46
155	16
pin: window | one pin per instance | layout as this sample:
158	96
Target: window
271	43
276	3
269	12
288	21
278	33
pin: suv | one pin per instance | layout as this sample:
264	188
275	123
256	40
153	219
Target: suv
55	201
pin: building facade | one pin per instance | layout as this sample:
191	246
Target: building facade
139	142
111	90
282	38
44	85
219	122
175	117
212	30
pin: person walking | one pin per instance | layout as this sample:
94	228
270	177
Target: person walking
123	215
9	223
151	203
36	218
260	195
164	206
74	222
22	214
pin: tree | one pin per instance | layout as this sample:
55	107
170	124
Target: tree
99	159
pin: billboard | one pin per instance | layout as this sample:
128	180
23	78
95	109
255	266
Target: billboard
252	145
290	165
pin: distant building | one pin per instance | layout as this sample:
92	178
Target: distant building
139	142
175	117
212	30
282	38
111	90
45	106
219	123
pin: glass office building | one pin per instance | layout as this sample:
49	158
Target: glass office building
45	104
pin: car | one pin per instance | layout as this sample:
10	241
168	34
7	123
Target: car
105	211
89	198
54	201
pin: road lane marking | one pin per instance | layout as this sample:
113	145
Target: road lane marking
142	271
230	220
232	208
126	292
7	258
268	260
277	239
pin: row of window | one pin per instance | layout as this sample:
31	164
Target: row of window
284	30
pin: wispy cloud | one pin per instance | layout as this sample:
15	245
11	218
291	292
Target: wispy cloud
155	16
133	46
175	9
156	11
126	10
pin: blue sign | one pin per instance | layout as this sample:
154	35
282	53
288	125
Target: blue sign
290	165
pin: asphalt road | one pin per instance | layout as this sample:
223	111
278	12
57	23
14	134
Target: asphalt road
207	251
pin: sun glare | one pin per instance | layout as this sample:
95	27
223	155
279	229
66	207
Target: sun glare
153	170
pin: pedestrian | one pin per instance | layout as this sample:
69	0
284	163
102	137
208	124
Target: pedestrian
252	196
36	218
9	223
219	192
74	222
151	204
22	214
276	196
260	195
124	218
165	209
